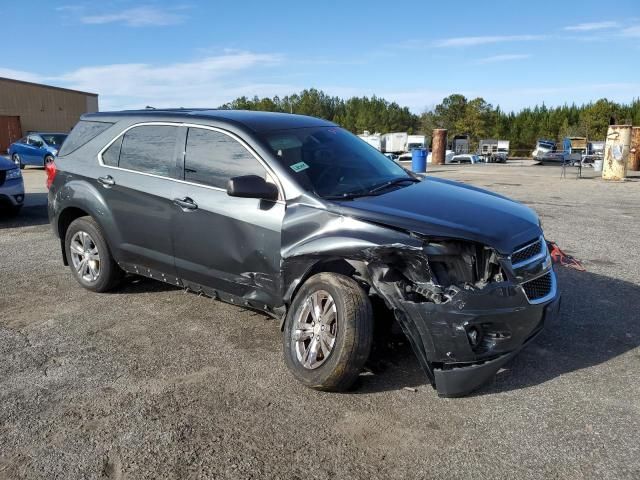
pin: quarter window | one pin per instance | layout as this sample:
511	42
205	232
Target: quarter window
111	155
149	149
212	158
82	133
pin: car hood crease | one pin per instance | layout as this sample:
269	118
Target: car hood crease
443	208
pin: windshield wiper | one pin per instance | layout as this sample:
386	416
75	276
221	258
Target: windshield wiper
395	181
371	191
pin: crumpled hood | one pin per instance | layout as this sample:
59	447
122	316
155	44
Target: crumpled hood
443	208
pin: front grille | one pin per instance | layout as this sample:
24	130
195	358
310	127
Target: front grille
526	252
3	176
538	287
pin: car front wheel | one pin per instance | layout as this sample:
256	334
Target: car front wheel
16	159
47	160
89	257
328	332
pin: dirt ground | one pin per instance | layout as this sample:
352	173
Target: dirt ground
150	382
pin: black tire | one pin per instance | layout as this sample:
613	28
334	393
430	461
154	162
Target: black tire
47	160
17	160
110	273
353	336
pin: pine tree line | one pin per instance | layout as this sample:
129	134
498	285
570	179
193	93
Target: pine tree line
457	114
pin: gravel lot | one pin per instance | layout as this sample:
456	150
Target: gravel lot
150	382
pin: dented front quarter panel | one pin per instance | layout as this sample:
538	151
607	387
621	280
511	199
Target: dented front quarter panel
313	237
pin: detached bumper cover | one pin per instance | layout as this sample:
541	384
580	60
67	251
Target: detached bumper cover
461	380
439	334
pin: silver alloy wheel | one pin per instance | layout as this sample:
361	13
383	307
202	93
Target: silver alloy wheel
85	256
48	159
315	329
16	159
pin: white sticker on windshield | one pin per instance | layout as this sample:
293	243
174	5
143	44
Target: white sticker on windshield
298	167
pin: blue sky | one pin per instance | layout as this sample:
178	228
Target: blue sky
158	53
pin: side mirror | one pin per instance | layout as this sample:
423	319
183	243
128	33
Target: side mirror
251	186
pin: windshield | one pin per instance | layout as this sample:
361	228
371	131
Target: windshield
53	139
329	161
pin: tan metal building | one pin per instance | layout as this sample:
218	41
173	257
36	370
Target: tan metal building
39	108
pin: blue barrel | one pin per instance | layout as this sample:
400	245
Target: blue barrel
419	160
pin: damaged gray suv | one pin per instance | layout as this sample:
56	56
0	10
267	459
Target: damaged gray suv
298	218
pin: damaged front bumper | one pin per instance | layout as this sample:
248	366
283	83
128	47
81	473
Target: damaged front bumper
461	344
455	380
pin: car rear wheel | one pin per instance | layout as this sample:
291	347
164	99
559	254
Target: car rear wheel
328	332
47	160
89	257
16	159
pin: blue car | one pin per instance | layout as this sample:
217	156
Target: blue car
11	187
36	149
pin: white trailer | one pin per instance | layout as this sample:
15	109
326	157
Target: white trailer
416	141
395	142
374	140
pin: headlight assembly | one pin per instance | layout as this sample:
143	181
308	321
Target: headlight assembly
13	173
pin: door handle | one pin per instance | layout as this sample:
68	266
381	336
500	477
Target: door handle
107	181
185	203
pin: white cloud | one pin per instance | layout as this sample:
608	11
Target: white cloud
504	58
631	31
485	40
209	81
590	26
143	16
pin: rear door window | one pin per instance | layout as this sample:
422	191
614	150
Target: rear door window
82	133
149	149
212	158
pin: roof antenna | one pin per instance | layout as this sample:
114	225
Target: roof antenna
149	107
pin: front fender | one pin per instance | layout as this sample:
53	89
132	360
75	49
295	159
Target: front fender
313	237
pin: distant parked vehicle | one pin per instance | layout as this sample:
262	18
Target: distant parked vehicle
37	149
543	147
11	186
553	157
494	150
464	158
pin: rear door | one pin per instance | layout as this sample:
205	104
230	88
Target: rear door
138	170
225	243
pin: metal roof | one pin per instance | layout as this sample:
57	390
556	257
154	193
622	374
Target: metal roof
42	85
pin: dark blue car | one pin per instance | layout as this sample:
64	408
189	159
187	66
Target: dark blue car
36	149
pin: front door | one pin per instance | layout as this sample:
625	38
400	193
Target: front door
222	243
137	174
33	151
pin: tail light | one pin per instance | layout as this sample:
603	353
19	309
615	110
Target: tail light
51	173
